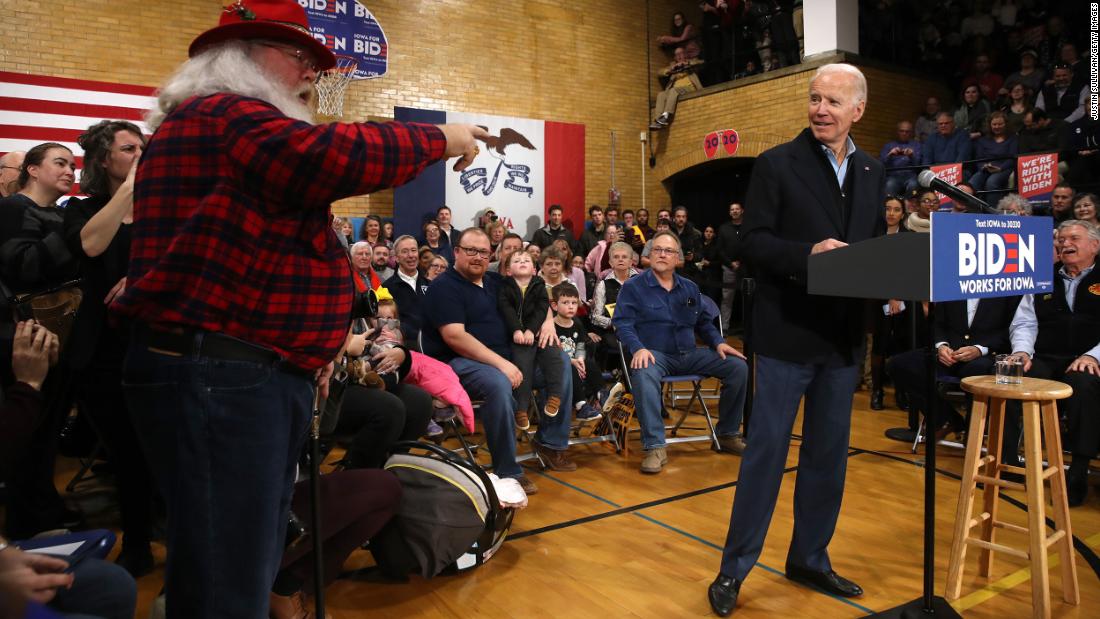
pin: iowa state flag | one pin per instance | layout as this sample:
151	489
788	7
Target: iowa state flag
525	166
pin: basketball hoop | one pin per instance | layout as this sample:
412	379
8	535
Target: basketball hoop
332	84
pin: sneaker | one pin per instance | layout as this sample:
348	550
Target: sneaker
434	429
613	397
588	413
555	459
731	443
522	422
654	126
553	404
655	459
443	413
528	486
664	119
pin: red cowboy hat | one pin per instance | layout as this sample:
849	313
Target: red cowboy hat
279	20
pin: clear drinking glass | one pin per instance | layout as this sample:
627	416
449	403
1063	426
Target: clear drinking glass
1010	370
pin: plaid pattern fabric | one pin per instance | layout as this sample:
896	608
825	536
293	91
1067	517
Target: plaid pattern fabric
232	228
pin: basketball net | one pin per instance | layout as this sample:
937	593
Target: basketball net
332	84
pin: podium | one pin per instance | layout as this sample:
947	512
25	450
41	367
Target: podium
963	256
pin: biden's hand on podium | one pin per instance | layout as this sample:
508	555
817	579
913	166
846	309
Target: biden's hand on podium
827	245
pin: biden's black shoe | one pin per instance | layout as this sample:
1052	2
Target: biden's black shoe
828	581
723	595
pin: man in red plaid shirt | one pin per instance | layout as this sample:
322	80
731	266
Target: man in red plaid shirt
240	293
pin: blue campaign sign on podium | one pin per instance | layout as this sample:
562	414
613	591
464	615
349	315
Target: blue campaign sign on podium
978	256
965	257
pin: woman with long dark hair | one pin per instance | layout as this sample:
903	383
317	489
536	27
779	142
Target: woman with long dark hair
891	324
97	230
31	252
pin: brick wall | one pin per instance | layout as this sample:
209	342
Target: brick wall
770	109
566	60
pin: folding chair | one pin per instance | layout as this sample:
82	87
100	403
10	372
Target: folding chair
696	386
673	396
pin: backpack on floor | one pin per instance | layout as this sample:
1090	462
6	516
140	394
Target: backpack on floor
449	517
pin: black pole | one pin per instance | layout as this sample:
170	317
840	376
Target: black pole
315	503
929	605
748	289
931	423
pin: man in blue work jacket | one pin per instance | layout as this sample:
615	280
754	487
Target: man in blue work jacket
656	317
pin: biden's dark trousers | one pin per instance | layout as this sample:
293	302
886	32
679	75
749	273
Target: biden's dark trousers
822	461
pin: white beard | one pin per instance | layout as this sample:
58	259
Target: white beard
226	68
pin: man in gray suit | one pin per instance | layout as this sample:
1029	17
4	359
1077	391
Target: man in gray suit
813	194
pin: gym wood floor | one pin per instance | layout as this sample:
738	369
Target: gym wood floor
606	541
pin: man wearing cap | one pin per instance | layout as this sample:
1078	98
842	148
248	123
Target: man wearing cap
239	294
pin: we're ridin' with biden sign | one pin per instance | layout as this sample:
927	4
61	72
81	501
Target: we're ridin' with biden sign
977	256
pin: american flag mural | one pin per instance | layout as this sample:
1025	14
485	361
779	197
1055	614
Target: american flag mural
38	108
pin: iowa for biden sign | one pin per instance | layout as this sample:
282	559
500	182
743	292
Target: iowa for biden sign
975	256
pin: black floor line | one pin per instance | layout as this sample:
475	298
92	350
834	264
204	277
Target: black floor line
1082	549
640	506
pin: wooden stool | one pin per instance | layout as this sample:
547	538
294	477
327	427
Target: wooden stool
1038	399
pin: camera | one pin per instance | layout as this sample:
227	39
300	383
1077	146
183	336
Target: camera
364	305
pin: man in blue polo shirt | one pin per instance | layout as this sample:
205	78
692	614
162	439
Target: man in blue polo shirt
463	328
656	317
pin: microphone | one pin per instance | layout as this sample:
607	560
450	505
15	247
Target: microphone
929	180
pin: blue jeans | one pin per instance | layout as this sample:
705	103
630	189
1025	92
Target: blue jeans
100	589
993	182
646	383
555	432
223	440
822	461
488	384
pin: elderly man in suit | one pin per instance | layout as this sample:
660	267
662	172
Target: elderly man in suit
814	194
968	335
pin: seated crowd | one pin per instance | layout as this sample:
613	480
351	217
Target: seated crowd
478	315
464	316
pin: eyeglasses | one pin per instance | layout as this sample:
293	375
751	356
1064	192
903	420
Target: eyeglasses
473	251
667	251
303	59
10	167
437	267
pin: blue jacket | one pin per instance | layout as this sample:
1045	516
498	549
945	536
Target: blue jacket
648	316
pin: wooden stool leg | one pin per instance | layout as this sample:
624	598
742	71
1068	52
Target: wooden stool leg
1060	507
1036	512
966	501
989	492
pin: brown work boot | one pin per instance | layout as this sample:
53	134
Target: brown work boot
731	443
522	422
655	459
528	486
555	459
553	404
